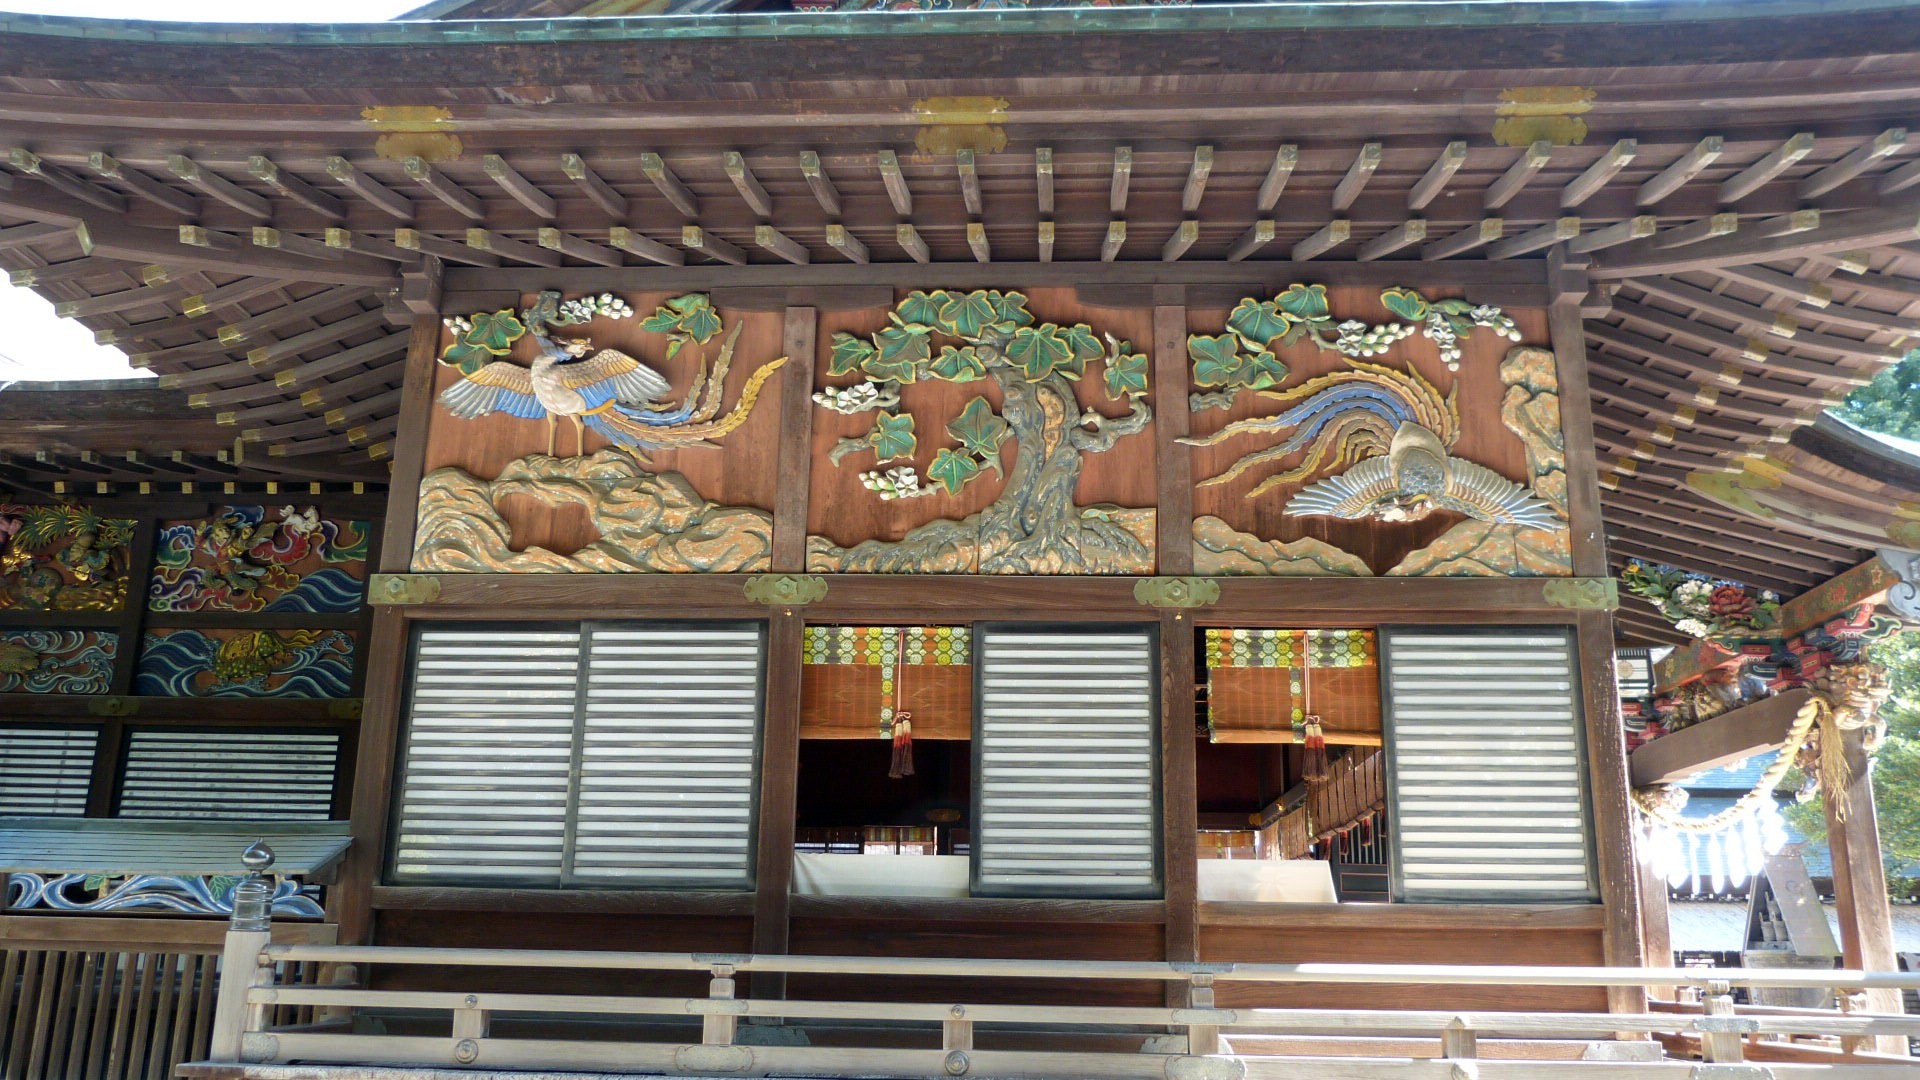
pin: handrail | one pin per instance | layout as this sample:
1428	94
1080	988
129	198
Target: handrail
1139	970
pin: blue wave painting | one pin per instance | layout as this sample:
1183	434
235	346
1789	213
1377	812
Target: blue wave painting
180	663
329	590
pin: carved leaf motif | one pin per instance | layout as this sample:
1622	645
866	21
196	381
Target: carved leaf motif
1307	303
923	307
967	314
1263	370
849	354
1406	303
1258	321
952	470
1085	345
979	429
1126	373
902	350
960	365
468	358
1038	350
1216	360
1011	311
892	436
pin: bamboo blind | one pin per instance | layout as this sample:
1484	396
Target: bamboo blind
853	672
1262	683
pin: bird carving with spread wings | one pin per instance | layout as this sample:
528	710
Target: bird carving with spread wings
1416	477
608	391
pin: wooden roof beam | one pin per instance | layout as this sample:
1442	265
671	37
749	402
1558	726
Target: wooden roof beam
1760	173
969	181
695	238
771	239
633	242
898	193
1330	236
106	165
73	270
1197	173
1900	179
1599	174
123	300
215	186
1620	232
1750	351
293	188
1685	509
269	355
1043	180
268	237
1122	180
1819	296
1545	236
1659	548
655	169
912	243
464	202
1406	234
1355	181
64	182
318	304
1485	231
1043	236
1531	160
1112	242
524	191
847	244
820	183
113	240
1762	319
1257	236
375	193
1889	142
1713	373
373	246
1869	228
1275	181
1434	180
1180	241
19	236
1693	232
598	191
734	164
518	250
983	251
1684	169
424	243
574	247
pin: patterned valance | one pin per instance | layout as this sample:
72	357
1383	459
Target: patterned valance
1262	684
855	674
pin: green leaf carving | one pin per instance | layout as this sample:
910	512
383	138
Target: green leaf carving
1010	311
979	429
960	365
495	331
923	307
1216	360
892	436
701	325
849	353
902	350
661	321
1037	350
1263	370
1406	303
690	317
967	314
1257	321
952	470
1126	373
468	358
1304	302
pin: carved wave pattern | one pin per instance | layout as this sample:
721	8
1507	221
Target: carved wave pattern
57	661
151	892
246	663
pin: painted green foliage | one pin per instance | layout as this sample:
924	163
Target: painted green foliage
964	337
1243	358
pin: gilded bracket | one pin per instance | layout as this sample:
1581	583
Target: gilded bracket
394	589
786	590
1582	594
1176	592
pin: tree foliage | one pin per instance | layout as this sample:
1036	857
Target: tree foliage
1890	404
1896	768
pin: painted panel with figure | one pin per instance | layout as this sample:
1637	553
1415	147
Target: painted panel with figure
181	662
63	558
257	558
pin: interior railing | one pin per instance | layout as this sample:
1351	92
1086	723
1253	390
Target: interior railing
1207	1043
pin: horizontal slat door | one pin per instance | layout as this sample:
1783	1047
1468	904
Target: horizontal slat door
1484	736
1068	769
245	775
46	770
668	754
489	754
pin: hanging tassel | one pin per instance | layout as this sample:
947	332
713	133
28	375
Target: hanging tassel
1314	767
1835	775
902	746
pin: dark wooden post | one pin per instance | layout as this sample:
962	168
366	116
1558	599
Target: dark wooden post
1860	882
352	902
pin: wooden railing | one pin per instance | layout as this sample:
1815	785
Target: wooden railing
1207	1043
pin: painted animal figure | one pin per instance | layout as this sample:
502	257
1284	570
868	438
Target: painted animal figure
609	391
254	654
1417	477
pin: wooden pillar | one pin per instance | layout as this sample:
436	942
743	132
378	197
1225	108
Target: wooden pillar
351	904
1623	943
1173	517
1567	330
786	642
1656	933
1860	882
